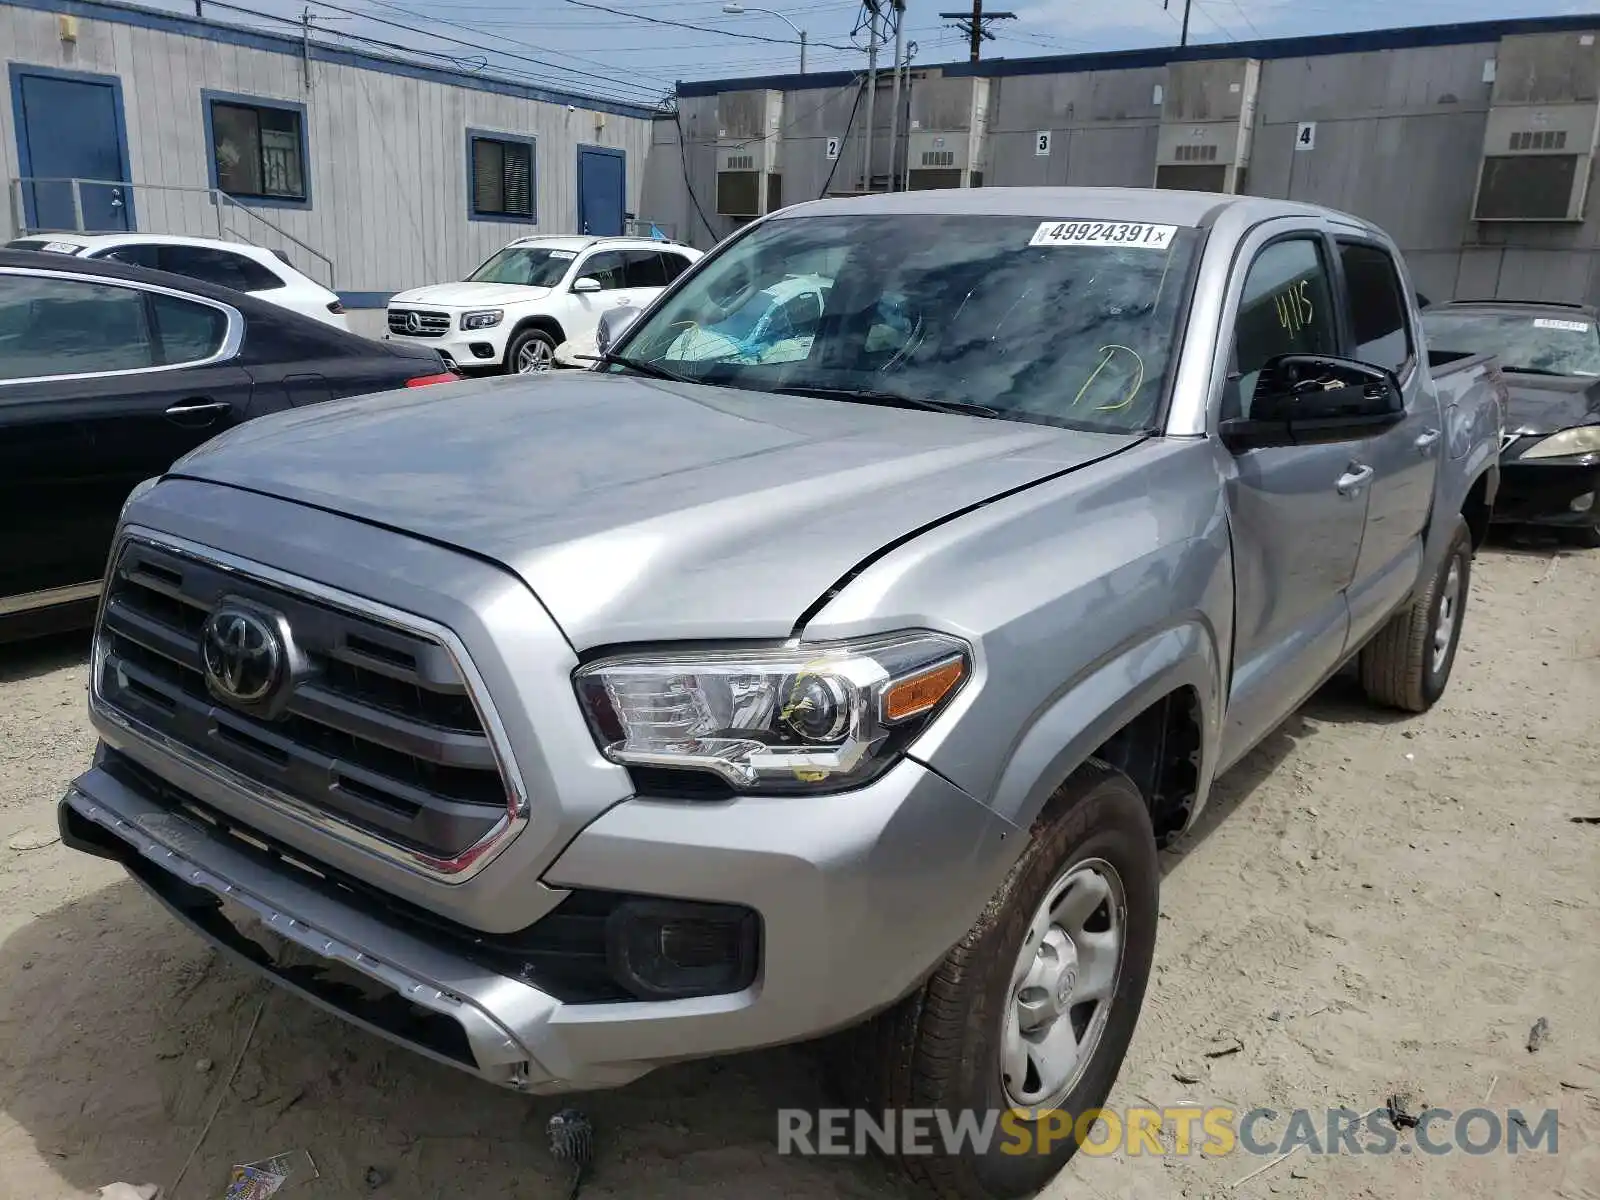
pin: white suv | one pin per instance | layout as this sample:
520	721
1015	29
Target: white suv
537	293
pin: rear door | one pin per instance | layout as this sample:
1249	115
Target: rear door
103	383
1404	459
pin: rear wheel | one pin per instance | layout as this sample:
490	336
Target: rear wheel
531	352
1408	663
1035	1007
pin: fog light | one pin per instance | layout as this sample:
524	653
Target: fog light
674	949
1583	503
481	350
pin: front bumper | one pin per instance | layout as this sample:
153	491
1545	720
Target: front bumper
1542	492
464	349
859	896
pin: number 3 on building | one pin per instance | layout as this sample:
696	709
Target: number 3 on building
1041	144
1305	137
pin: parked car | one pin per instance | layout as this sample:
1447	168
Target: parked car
539	292
237	265
1550	463
701	703
107	375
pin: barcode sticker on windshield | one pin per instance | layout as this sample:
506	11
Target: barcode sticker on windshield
1104	233
62	247
563	254
1569	326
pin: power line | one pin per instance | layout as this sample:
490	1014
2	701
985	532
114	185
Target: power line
749	37
459	63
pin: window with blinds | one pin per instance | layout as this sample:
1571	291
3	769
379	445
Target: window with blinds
502	178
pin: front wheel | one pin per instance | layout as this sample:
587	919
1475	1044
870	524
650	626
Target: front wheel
1407	665
1035	1007
533	351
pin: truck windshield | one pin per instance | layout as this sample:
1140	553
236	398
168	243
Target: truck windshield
529	266
1537	344
1064	322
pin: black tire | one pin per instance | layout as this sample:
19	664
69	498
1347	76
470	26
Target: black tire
544	343
940	1048
1400	667
1586	537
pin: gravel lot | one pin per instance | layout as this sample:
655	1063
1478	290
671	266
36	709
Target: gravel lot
1372	905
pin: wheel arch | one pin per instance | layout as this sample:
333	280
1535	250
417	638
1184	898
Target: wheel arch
540	321
1151	710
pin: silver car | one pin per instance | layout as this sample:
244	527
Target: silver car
706	701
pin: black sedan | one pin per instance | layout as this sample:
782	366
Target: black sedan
108	374
1550	353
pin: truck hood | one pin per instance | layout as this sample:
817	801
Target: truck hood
469	295
642	510
1550	403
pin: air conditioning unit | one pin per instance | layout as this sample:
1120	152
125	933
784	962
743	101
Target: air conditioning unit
1539	140
748	136
948	141
1207	114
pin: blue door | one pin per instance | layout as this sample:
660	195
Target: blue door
70	126
602	191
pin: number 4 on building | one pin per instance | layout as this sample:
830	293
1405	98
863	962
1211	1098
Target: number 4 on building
1305	136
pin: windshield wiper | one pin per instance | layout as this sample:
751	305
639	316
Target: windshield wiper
643	367
890	399
1534	371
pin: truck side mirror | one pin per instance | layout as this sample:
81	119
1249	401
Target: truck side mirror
1314	399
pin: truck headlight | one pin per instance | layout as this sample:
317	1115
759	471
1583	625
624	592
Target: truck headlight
485	319
1585	439
820	717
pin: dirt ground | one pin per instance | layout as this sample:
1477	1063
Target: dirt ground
1371	905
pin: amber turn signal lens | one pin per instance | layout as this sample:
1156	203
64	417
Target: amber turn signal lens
918	693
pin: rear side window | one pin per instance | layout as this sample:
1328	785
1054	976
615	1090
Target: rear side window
676	264
221	267
643	269
1286	308
1377	312
57	327
187	332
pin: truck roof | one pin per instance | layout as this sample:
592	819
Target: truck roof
1103	203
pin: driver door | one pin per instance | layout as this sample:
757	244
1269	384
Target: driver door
608	268
1297	513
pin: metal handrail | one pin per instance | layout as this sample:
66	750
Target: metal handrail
219	199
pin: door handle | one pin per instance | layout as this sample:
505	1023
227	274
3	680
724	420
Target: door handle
197	412
1426	440
1351	481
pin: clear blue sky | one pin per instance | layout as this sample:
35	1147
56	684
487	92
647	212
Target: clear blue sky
582	48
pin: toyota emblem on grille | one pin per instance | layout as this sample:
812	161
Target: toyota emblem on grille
244	655
413	322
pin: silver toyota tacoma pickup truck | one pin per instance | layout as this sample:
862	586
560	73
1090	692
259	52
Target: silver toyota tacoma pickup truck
834	656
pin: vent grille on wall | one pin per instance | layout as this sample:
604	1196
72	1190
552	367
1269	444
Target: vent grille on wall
1539	139
1195	153
741	162
938	158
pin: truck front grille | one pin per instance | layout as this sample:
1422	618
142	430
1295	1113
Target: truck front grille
370	724
409	322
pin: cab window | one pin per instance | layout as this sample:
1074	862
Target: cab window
1377	312
1286	308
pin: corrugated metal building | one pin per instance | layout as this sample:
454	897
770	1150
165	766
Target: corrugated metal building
373	173
1398	126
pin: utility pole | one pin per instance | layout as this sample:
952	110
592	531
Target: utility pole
899	9
976	25
1183	35
871	15
305	43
